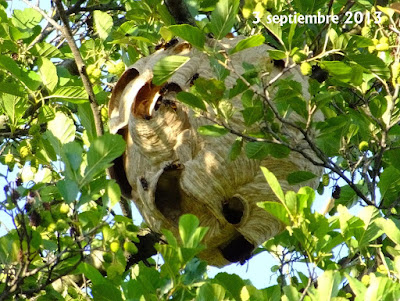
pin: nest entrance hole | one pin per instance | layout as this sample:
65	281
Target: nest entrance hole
168	198
238	250
233	210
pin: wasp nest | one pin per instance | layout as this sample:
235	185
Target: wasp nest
168	169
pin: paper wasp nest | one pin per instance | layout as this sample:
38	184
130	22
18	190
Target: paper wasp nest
168	169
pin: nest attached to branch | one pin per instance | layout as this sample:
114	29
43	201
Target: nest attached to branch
168	169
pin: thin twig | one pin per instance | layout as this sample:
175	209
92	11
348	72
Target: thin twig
66	30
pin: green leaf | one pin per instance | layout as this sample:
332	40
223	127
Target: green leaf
389	184
102	152
214	130
393	158
26	19
29	78
210	292
86	118
338	69
44	49
106	291
232	283
257	150
9	247
299	177
378	106
252	114
48	73
209	90
273	183
277	54
277	210
236	149
380	288
291	293
145	283
329	283
249	42
91	273
14	107
62	128
223	17
389	228
73	153
191	100
371	63
189	33
103	23
357	286
68	189
73	94
370	231
114	193
274	29
278	151
189	231
13	89
166	67
194	271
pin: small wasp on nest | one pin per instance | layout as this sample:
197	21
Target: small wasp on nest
171	170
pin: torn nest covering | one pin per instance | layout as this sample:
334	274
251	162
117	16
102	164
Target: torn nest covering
168	169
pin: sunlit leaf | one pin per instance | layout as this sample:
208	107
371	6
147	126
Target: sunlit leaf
249	42
191	100
48	73
223	17
166	67
212	130
189	33
103	23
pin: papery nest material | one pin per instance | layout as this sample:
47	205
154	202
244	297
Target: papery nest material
168	169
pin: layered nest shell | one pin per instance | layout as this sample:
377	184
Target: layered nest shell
168	169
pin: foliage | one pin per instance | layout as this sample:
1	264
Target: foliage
68	243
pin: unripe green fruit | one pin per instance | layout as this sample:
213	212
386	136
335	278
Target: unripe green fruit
306	68
64	208
116	68
130	247
392	39
384	40
90	69
363	146
382	47
371	49
96	73
298	57
52	227
8	159
384	20
24	152
365	280
367	32
114	246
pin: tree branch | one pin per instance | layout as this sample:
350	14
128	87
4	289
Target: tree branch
66	30
180	12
